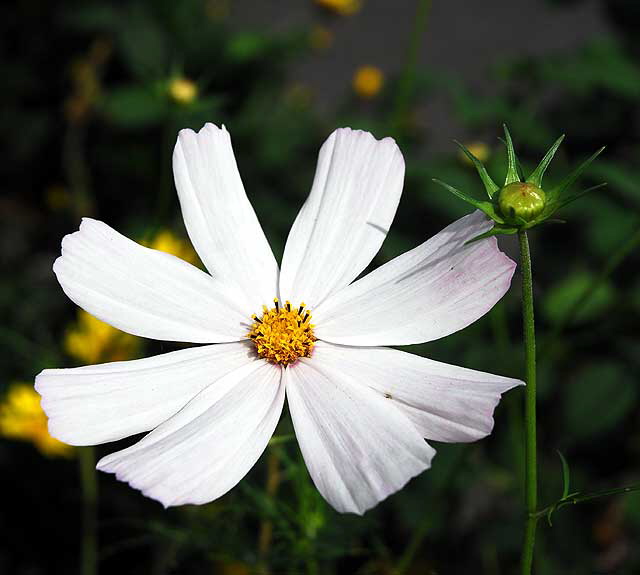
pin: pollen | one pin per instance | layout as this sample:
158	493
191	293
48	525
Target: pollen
283	333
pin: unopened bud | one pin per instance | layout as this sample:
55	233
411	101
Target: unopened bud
521	200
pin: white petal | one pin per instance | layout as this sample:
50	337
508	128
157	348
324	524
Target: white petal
210	445
358	447
346	217
221	223
427	293
143	291
445	402
98	403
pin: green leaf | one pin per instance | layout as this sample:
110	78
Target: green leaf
483	205
563	296
90	17
625	178
536	176
553	221
557	191
573	197
134	106
565	475
554	203
489	184
581	498
577	497
246	47
512	162
143	43
598	399
279	439
497	230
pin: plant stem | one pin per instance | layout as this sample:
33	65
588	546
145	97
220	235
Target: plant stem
265	535
89	486
531	472
414	545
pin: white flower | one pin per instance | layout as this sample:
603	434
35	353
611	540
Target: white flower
360	411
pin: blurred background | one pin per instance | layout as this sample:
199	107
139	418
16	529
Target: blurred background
93	94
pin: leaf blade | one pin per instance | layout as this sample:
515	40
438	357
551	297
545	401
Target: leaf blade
512	162
489	184
497	230
573	176
566	476
482	205
536	176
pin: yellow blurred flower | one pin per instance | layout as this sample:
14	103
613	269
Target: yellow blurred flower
342	7
479	149
367	82
168	242
182	90
90	340
21	417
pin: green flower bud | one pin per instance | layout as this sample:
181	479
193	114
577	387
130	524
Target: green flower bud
521	200
521	205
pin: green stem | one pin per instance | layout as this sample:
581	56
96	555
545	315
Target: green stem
407	80
89	486
531	472
414	545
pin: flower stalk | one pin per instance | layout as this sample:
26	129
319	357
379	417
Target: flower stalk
531	468
89	485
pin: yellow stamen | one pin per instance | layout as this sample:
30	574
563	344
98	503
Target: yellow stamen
283	333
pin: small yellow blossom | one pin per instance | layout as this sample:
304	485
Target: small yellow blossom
21	417
367	82
320	38
166	241
342	7
93	341
182	90
479	149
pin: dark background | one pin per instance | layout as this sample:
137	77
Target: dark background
88	125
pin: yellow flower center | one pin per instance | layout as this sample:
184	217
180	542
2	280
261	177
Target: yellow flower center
283	334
